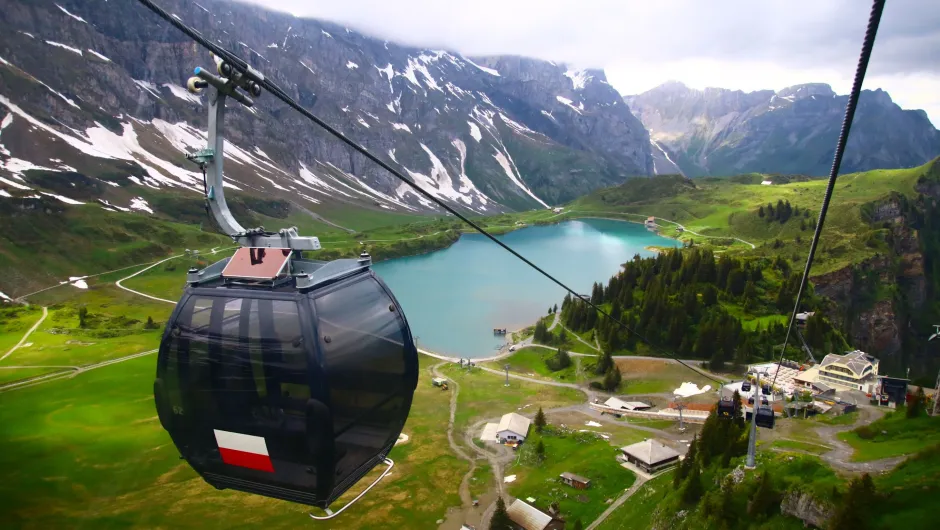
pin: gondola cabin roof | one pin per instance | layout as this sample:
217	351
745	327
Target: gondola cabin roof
257	263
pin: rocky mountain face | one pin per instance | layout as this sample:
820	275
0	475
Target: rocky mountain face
724	132
95	88
884	303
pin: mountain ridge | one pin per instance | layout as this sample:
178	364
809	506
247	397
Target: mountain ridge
517	134
718	131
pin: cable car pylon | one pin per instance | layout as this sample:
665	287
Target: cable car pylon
279	375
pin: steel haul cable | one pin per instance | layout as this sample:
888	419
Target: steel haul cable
871	31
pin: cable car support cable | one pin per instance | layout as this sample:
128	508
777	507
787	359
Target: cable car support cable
871	31
244	69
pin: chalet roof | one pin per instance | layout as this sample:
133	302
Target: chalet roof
650	452
855	360
527	516
516	423
616	403
576	478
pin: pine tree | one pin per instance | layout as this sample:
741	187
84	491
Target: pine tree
500	519
540	451
604	363
150	324
555	309
539	420
693	489
709	296
760	212
578	525
82	316
612	378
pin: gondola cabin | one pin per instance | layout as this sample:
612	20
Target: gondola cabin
765	417
726	407
285	377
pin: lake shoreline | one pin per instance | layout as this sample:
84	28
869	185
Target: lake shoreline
495	290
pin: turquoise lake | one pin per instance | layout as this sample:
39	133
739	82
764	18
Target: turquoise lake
453	298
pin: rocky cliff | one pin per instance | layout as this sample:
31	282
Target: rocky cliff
885	304
724	132
95	88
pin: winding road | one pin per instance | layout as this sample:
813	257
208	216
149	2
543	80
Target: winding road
45	313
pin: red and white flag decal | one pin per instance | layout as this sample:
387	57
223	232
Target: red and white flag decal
244	450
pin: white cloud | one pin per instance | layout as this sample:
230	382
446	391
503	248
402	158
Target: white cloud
737	44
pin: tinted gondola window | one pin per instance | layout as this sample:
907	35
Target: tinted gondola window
239	365
363	343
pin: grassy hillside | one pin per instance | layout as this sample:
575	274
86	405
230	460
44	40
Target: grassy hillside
730	207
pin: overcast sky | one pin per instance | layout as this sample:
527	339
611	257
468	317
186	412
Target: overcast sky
738	44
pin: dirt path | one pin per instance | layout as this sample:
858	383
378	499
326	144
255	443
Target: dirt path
841	454
617	503
586	391
456	518
141	271
582	341
45	313
454	390
72	372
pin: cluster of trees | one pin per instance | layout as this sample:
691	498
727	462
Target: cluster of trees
674	301
542	335
559	361
606	367
782	212
712	451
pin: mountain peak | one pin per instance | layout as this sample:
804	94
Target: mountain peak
722	132
806	90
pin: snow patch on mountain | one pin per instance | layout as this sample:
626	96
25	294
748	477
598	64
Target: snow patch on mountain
64	46
98	55
518	127
483	68
579	78
565	101
66	200
183	93
475	131
370	190
400	126
76	17
466	185
504	162
308	177
139	203
149	87
389	73
351	65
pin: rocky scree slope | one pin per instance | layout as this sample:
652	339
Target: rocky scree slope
725	132
95	88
